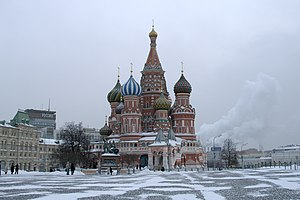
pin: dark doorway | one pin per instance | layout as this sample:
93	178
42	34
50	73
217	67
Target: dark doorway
144	160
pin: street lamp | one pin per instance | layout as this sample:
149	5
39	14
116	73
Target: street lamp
168	154
244	144
214	150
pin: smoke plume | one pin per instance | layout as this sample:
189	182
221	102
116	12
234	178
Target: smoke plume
251	116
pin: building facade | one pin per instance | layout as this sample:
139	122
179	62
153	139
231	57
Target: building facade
19	145
146	127
286	154
44	120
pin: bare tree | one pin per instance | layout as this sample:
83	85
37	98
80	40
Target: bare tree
229	153
74	146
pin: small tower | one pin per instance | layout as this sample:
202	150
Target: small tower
105	131
131	113
113	97
162	106
182	113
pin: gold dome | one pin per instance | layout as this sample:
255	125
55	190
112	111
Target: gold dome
153	33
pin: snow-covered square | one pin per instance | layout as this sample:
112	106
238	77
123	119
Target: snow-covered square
263	183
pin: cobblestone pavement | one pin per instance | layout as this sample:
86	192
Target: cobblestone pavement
233	184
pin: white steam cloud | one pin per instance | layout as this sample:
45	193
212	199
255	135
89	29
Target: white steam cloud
250	117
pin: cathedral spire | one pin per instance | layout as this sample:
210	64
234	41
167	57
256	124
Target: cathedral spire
153	60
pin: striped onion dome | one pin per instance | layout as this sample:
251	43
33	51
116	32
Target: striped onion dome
119	108
131	87
105	130
162	103
182	86
115	94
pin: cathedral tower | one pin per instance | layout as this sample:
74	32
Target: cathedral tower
151	81
182	112
114	97
131	113
162	106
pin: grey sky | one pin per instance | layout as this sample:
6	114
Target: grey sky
70	51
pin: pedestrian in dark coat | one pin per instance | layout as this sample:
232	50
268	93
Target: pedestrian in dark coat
17	169
12	168
68	168
110	170
72	168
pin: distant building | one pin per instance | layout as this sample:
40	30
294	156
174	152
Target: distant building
93	134
214	158
44	120
46	149
252	157
19	145
286	154
21	142
20	117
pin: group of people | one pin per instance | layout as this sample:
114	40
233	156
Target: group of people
68	167
14	169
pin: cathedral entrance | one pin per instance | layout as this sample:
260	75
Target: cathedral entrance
144	160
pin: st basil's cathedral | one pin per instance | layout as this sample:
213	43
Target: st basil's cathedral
144	125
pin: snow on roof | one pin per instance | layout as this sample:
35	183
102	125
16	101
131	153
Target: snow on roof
130	141
265	158
7	125
147	139
149	134
95	150
115	140
290	147
50	141
110	154
23	124
158	144
174	143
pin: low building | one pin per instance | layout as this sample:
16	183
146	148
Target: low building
46	149
19	145
214	158
286	154
93	134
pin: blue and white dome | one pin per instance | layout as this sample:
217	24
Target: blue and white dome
131	87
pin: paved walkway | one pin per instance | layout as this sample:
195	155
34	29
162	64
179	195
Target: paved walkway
238	184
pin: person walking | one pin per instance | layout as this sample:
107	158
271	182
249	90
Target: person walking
68	168
0	167
110	170
12	168
72	168
17	169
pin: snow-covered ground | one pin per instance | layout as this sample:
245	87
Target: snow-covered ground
264	183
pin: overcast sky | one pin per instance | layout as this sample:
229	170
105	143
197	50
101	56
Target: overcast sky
70	50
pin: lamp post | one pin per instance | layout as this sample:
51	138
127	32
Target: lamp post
168	154
244	144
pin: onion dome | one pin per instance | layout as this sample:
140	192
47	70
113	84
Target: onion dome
115	94
182	86
131	87
105	130
120	107
153	33
162	103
